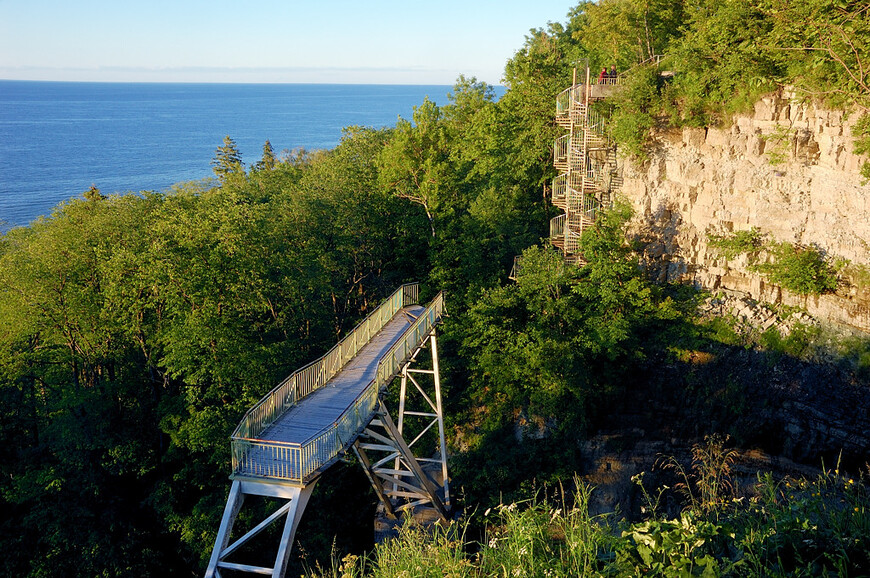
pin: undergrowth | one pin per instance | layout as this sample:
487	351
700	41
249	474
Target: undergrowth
787	527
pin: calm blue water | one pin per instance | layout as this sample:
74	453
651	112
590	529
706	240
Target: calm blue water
59	138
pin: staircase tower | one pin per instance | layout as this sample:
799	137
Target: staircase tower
586	158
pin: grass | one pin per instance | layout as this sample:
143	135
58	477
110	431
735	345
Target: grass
788	527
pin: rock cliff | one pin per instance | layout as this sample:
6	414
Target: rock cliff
788	169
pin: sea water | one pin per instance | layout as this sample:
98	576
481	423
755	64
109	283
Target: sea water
59	138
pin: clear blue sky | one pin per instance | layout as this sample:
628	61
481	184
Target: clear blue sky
336	41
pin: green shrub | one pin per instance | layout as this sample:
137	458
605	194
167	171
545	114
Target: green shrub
797	343
802	270
543	540
732	245
679	547
861	132
635	111
794	527
857	275
777	145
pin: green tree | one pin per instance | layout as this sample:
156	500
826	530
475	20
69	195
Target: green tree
227	160
268	162
823	46
623	33
94	194
799	269
81	437
561	334
365	240
415	163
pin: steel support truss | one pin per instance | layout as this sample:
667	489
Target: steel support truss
399	478
296	499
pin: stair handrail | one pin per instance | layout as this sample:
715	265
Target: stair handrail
655	58
557	226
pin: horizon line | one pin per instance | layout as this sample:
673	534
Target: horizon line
248	75
275	82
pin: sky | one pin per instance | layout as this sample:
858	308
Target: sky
288	41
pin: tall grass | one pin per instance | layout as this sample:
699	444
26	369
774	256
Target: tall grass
790	527
542	540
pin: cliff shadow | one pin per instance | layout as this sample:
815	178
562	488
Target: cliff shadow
656	241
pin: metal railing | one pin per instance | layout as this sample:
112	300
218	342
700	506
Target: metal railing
392	361
296	462
597	125
561	150
515	270
574	96
612	80
314	375
557	226
567	98
560	187
572	242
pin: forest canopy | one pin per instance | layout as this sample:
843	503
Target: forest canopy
135	330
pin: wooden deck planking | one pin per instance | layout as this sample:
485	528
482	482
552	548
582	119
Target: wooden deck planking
323	407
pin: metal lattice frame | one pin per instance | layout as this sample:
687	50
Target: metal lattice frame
398	476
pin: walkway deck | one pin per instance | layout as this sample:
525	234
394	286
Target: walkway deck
324	407
303	425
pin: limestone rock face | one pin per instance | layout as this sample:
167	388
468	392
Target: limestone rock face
787	169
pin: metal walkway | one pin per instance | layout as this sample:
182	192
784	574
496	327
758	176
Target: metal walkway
297	431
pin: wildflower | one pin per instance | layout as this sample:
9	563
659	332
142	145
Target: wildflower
486	513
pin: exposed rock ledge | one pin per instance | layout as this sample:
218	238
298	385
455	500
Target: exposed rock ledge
722	179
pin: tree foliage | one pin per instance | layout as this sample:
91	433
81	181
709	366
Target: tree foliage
227	160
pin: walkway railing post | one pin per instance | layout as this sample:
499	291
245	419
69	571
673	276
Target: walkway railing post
439	409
